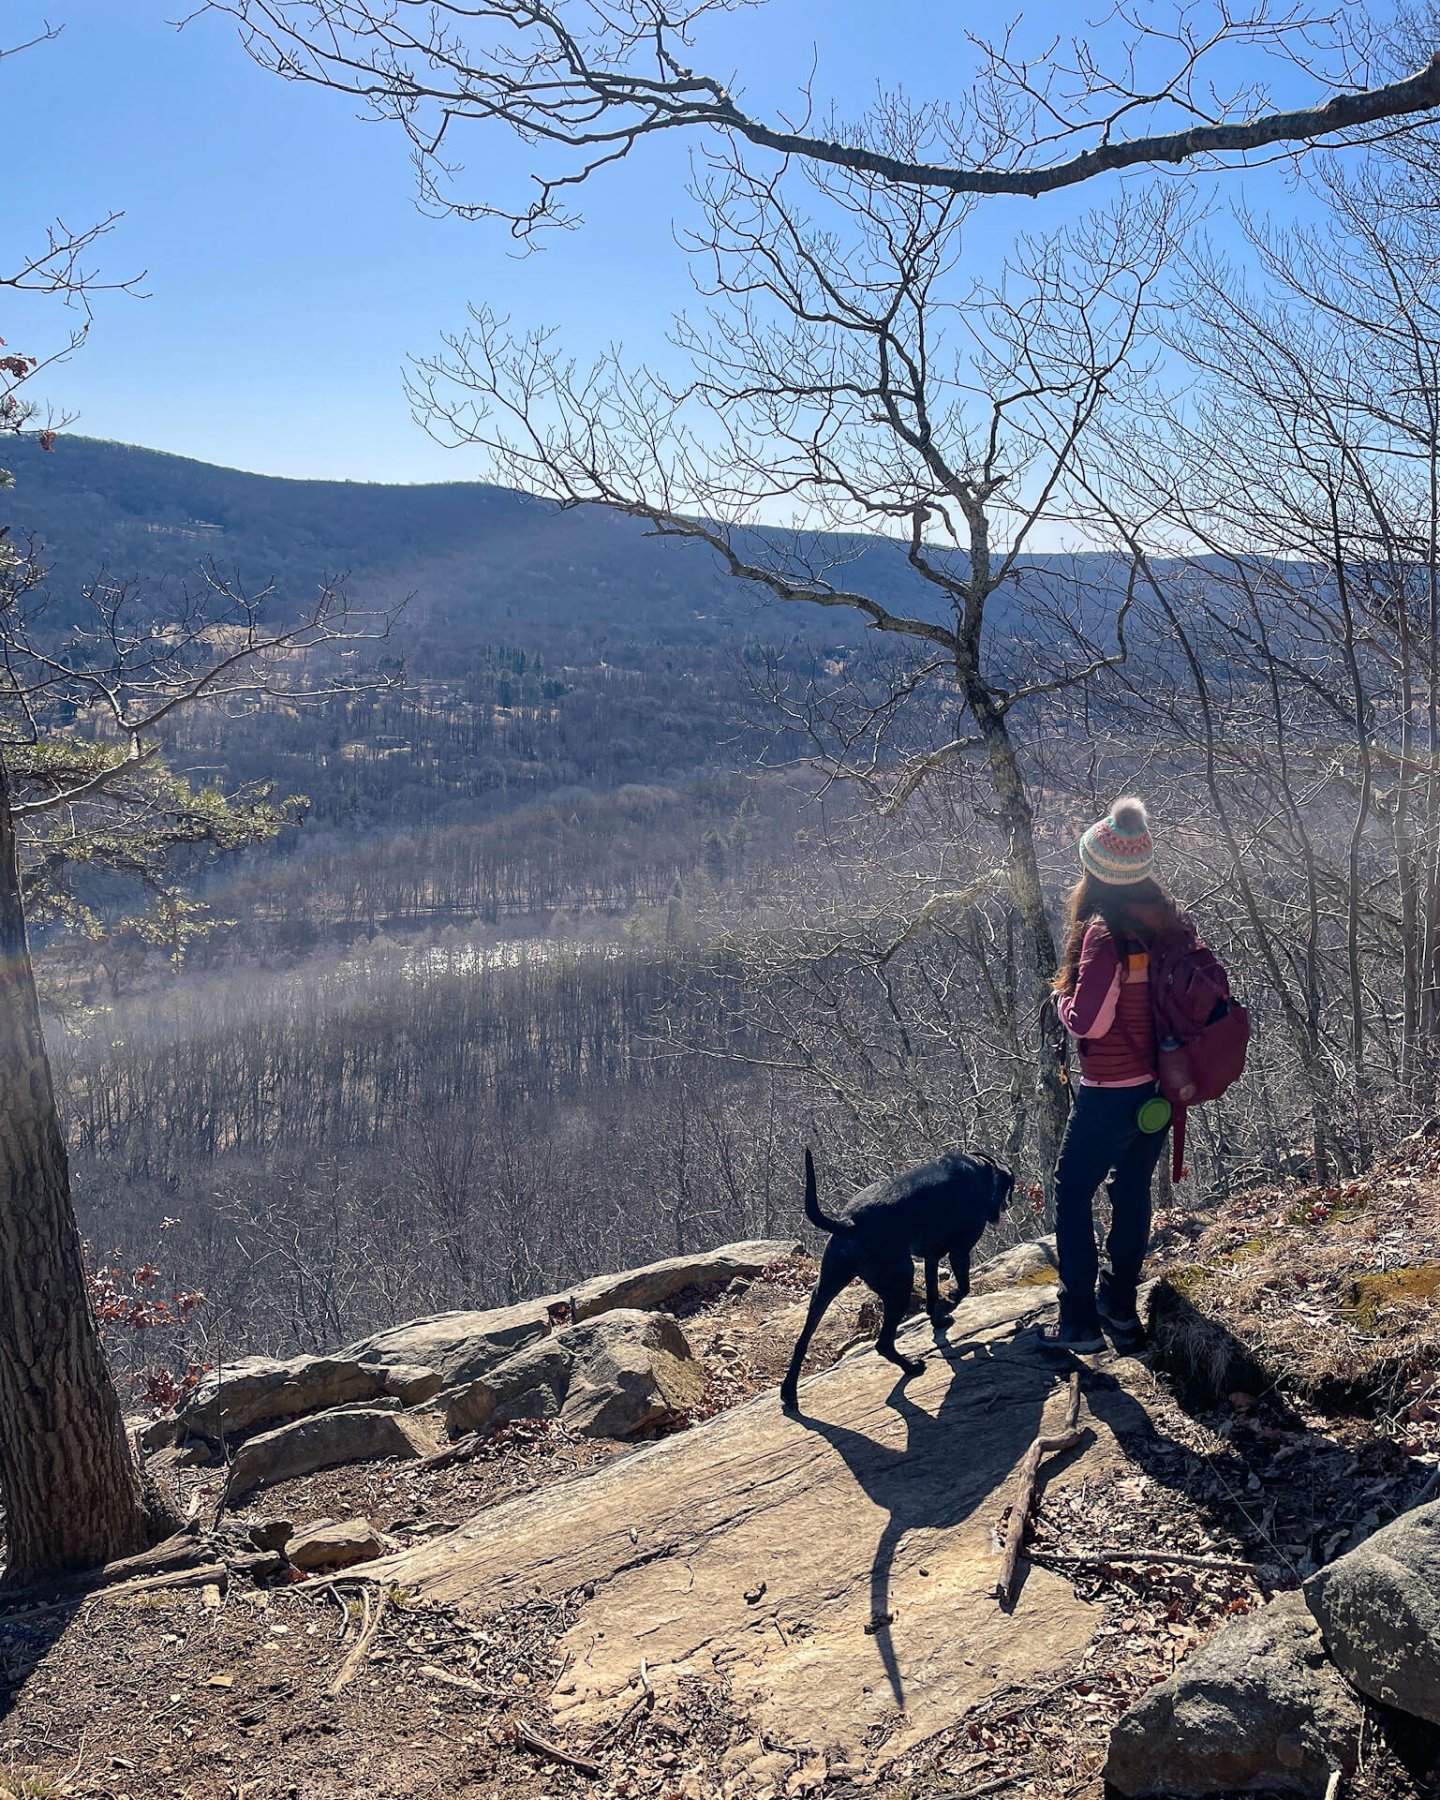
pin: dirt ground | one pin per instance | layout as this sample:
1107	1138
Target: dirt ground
297	1688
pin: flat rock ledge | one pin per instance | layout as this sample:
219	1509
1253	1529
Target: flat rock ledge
835	1570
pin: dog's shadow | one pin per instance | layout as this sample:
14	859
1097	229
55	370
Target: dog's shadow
953	1462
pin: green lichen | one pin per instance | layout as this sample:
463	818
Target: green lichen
1384	1304
1187	1281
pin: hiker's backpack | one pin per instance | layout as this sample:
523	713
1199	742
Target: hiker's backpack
1201	1029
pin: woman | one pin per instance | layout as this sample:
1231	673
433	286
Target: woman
1117	910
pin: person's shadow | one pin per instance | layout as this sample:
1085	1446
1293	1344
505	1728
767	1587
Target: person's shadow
953	1461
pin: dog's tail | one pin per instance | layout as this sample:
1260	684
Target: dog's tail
812	1198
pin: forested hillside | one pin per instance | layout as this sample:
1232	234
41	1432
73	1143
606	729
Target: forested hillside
484	564
579	930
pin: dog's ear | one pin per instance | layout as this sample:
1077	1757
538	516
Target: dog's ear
1003	1188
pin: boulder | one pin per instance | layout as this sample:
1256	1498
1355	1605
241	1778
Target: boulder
612	1376
466	1408
349	1435
533	1383
1035	1264
465	1346
411	1384
265	1390
1379	1607
632	1371
1257	1708
329	1546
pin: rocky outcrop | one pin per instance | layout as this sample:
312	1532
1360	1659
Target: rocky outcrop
1379	1607
413	1362
464	1346
347	1435
1257	1708
265	1390
616	1376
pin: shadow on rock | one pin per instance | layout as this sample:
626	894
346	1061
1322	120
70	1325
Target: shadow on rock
953	1461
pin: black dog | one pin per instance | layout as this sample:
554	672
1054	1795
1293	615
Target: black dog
939	1209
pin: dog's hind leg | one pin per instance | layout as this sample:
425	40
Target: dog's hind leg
836	1270
894	1281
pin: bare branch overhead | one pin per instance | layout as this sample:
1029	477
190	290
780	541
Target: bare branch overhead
586	81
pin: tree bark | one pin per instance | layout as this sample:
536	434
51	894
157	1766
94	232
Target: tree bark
73	1495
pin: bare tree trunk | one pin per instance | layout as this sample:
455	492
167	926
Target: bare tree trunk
72	1492
1037	948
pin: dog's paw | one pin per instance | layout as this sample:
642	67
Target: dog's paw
909	1366
789	1400
942	1315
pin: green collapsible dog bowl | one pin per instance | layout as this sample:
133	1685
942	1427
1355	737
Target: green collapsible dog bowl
1153	1114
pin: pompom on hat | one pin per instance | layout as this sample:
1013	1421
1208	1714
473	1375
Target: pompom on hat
1119	848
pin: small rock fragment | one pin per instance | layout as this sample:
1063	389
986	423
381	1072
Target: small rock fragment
336	1546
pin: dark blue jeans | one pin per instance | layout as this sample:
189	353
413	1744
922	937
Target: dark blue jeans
1102	1140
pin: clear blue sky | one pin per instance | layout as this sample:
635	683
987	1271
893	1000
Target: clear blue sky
289	273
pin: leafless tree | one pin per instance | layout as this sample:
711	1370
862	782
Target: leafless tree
847	370
1291	509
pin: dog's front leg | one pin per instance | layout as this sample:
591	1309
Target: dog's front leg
960	1268
939	1311
894	1282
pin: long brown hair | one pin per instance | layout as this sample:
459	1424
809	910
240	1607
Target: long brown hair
1145	909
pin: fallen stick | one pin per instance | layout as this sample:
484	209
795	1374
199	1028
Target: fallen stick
1226	1564
1332	1786
1029	1481
184	1550
460	1451
643	1702
366	1638
144	1584
464	1682
985	1787
543	1747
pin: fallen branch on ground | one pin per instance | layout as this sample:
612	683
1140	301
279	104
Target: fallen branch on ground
553	1752
985	1787
643	1702
198	1576
460	1451
1028	1483
1174	1558
464	1683
366	1638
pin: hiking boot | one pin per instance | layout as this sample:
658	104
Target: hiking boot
1071	1340
1126	1332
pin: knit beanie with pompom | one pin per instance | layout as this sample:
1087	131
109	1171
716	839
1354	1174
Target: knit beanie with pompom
1119	848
